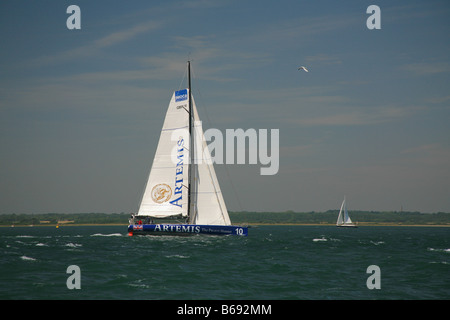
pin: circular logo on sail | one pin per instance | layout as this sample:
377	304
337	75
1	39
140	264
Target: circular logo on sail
161	193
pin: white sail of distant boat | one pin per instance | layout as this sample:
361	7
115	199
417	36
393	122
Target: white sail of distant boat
344	218
181	188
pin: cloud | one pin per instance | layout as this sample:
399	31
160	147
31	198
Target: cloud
439	99
432	154
357	116
124	35
211	58
427	68
323	59
95	46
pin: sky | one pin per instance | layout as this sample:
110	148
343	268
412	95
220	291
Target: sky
81	110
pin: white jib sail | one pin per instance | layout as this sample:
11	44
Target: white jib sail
208	205
166	192
347	219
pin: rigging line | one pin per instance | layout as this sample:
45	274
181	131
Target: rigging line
182	79
209	125
241	208
201	100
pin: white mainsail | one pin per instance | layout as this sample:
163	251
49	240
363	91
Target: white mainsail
167	190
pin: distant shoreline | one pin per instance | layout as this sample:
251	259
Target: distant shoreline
362	224
363	218
358	225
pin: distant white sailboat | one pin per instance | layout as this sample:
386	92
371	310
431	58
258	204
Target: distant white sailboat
343	218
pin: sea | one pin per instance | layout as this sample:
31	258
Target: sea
274	262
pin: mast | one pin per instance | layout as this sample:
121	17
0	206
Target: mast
191	142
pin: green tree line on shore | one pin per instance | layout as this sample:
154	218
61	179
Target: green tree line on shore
330	217
286	217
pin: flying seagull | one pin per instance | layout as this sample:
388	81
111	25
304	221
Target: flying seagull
303	68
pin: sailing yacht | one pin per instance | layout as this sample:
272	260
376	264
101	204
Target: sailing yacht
343	218
183	197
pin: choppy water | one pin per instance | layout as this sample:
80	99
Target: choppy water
273	262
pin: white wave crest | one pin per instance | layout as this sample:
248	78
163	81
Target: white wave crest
41	245
178	256
73	245
25	258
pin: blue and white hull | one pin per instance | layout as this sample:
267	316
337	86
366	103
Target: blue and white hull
185	229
